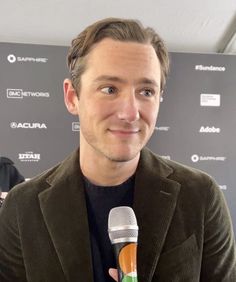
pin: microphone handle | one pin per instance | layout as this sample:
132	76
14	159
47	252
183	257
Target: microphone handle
126	261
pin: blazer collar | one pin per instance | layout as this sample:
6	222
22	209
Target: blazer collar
155	200
63	206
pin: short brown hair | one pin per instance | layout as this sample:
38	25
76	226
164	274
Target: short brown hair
118	29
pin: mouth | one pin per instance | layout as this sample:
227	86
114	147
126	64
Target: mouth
124	132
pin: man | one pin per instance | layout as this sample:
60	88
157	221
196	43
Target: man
9	175
54	227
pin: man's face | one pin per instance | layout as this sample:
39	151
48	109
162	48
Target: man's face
118	99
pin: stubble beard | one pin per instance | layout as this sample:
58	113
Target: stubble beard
116	158
110	153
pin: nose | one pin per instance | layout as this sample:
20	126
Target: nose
128	108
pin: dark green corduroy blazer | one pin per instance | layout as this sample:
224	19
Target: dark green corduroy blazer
185	231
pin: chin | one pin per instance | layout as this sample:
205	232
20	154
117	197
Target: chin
122	157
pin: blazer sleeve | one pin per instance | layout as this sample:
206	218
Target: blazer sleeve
219	254
11	258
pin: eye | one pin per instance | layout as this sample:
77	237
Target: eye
147	92
109	90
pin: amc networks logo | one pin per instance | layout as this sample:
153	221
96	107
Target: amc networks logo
19	94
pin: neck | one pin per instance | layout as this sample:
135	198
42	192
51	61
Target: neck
104	172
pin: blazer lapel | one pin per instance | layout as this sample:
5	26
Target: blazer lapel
155	200
63	207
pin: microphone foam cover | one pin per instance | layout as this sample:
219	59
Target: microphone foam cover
122	225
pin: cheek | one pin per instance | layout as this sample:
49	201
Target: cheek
93	113
150	114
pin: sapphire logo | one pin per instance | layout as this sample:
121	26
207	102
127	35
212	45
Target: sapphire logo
28	125
196	158
13	59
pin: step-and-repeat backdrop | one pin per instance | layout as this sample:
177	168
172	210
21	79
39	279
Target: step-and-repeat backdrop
196	124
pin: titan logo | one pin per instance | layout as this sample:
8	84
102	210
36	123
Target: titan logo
208	129
28	125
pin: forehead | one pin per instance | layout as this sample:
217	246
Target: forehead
123	58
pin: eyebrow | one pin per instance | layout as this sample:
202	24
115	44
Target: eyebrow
109	78
143	80
148	81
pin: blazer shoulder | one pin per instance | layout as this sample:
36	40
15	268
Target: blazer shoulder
32	186
196	184
190	179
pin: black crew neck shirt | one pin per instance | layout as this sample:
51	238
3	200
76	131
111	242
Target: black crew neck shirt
100	200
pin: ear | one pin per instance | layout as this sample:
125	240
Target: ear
70	97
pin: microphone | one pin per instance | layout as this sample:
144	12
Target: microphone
123	234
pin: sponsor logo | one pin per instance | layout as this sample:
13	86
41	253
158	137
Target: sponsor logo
210	100
29	157
28	125
2	197
14	93
223	187
12	59
209	68
19	93
75	126
209	129
196	158
166	157
3	194
162	128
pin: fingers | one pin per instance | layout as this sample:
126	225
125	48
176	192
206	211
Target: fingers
113	273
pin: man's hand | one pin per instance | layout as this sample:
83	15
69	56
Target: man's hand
113	273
